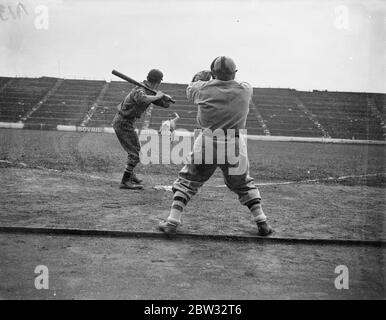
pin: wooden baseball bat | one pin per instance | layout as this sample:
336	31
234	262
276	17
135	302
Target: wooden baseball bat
132	81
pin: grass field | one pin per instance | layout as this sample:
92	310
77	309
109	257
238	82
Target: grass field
70	180
270	161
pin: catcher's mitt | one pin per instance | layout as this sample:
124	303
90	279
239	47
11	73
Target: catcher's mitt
204	75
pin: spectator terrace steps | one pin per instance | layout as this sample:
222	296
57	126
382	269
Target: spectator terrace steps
48	102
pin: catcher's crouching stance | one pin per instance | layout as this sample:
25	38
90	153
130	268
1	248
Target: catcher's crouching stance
223	103
129	110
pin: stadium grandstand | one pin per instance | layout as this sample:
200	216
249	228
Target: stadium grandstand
46	102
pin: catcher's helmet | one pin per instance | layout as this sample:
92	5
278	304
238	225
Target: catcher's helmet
223	65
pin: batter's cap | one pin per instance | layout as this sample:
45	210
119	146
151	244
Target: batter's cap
155	75
224	65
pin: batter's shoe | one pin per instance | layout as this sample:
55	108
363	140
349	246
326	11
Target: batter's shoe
131	185
264	229
168	227
135	179
128	183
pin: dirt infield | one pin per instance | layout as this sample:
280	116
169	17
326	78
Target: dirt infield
70	180
43	198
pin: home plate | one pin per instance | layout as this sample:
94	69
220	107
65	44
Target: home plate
166	188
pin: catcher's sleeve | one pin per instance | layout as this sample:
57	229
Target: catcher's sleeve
193	89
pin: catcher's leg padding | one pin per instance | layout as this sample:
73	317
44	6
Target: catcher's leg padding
180	201
243	185
256	210
249	195
192	177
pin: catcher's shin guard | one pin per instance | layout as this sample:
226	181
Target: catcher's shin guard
179	203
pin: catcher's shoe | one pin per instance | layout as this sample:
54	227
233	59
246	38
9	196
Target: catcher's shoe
168	227
131	185
264	229
135	179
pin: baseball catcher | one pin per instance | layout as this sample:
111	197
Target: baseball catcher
223	104
129	110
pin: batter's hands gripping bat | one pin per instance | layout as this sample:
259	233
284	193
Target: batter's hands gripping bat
166	97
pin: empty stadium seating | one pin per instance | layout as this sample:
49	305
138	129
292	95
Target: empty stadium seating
3	81
21	95
380	102
284	112
343	115
281	115
69	103
107	106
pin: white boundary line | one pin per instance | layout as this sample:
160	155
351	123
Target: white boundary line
316	180
169	188
68	128
85	175
12	125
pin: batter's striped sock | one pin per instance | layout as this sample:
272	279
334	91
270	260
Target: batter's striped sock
256	210
179	203
129	169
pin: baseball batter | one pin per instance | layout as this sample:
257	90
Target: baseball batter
223	103
129	110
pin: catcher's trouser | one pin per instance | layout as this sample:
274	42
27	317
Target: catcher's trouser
128	138
193	176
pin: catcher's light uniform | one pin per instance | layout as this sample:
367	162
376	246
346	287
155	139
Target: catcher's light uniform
221	105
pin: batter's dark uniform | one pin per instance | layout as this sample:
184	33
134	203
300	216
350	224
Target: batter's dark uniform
129	110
